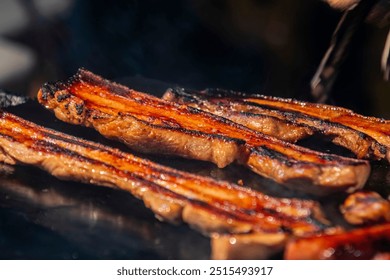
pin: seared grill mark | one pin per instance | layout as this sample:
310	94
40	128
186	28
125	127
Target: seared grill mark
79	108
47	90
328	157
272	154
62	97
152	125
77	159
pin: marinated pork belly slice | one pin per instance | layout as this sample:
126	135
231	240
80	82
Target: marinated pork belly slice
258	119
365	243
365	207
378	129
290	120
149	124
205	204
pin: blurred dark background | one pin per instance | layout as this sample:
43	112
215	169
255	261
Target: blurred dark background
259	46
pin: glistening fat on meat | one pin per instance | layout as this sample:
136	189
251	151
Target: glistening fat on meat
152	125
291	120
205	204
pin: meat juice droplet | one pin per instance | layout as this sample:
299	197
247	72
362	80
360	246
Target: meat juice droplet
241	195
328	253
270	219
232	240
164	208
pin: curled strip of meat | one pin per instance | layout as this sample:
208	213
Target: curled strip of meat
365	207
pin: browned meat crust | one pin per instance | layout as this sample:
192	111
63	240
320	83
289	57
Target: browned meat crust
365	207
366	243
149	124
291	120
205	204
253	246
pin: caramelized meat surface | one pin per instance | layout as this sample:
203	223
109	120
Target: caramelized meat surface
149	124
291	120
205	204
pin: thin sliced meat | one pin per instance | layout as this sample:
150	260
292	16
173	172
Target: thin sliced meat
236	110
205	204
149	124
291	120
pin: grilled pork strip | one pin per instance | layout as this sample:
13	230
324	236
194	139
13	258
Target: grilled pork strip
365	207
208	205
149	124
237	111
290	120
365	243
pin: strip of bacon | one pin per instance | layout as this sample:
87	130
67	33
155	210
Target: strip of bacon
207	205
365	243
236	110
149	124
291	120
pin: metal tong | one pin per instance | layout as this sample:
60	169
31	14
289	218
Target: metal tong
349	24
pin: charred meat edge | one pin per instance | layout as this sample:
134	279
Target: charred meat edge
149	124
205	204
277	121
363	243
